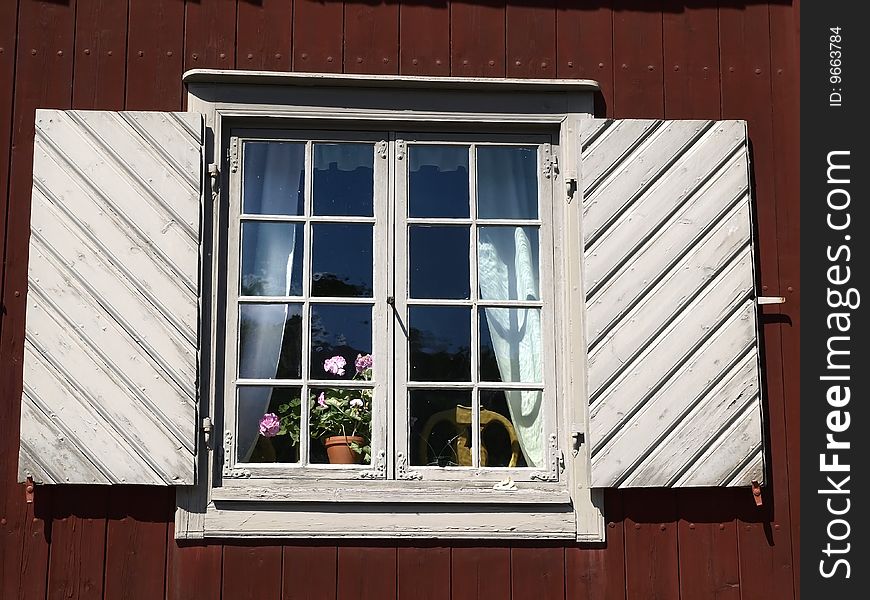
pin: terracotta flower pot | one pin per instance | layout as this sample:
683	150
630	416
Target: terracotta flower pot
339	451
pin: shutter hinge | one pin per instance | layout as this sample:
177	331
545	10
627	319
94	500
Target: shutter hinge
401	147
381	148
206	430
233	154
577	439
215	176
570	188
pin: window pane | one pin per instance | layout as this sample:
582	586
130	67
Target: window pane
511	428
274	178
270	341
339	332
440	428
508	262
342	260
507	182
271	259
438	181
439	262
341	425
344	179
440	343
510	344
268	424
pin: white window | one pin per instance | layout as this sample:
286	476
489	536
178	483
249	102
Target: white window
497	304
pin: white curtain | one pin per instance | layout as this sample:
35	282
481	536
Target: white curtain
508	270
264	325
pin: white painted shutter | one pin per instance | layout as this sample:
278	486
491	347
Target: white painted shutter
671	332
110	353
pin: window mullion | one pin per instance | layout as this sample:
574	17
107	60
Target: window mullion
475	290
304	425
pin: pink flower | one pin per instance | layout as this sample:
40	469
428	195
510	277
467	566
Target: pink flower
363	362
335	365
321	400
269	425
357	403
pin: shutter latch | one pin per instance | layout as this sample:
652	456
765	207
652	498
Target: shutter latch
577	439
762	300
206	430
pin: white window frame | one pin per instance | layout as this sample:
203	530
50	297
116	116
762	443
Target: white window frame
368	508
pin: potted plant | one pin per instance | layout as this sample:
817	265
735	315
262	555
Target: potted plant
342	417
284	423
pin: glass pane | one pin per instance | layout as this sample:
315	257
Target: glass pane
274	178
344	179
271	259
439	262
507	263
440	428
341	425
438	181
339	333
342	259
440	343
268	424
511	428
507	182
510	344
270	341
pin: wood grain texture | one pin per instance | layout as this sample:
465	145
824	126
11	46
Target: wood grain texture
477	39
537	573
210	34
423	573
530	34
424	44
192	570
318	43
252	572
366	573
584	34
310	572
597	571
691	61
155	55
371	38
637	60
651	558
264	35
100	60
78	542
483	572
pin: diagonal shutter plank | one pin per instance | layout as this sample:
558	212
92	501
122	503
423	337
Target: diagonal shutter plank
110	361
673	373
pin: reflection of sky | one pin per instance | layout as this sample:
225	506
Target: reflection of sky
342	253
438	181
274	176
343	179
266	247
439	262
507	182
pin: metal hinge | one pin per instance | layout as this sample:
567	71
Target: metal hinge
550	162
206	430
570	188
215	177
233	154
401	148
381	149
577	439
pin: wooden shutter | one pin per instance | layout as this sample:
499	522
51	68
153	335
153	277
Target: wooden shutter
671	332
110	353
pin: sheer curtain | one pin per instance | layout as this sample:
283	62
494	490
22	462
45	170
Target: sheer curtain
507	269
264	327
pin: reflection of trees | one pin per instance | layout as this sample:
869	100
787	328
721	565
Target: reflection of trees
328	284
327	340
434	359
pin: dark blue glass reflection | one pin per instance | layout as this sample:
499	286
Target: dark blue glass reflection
438	263
344	179
439	340
274	178
339	330
438	181
342	259
507	182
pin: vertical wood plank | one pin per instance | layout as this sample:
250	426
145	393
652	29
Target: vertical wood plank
318	36
637	57
707	537
310	572
46	42
597	571
78	542
537	573
483	572
101	47
265	30
531	39
477	39
691	61
785	73
651	561
424	39
764	535
423	573
252	572
585	46
366	573
136	541
210	34
193	570
371	38
155	55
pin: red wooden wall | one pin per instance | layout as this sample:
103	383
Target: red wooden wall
653	59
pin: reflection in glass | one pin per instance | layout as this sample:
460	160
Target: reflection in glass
341	412
510	344
508	436
274	178
439	339
342	259
438	181
508	263
339	330
270	341
440	428
268	424
344	179
507	182
438	263
271	259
